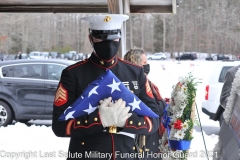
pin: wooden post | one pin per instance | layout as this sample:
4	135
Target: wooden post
120	7
193	110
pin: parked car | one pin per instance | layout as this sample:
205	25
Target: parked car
27	88
25	56
157	56
9	57
55	55
217	57
71	55
45	55
36	55
209	58
185	56
214	87
79	56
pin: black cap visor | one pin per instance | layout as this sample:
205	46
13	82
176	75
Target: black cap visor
106	34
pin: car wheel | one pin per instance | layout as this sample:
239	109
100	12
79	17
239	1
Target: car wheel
6	115
162	58
150	58
221	119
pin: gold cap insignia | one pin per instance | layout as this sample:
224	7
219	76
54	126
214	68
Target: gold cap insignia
107	19
112	61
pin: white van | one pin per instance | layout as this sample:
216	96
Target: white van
214	87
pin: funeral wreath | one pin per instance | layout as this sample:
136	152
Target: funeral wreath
179	119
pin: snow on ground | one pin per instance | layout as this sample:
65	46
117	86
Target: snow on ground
39	142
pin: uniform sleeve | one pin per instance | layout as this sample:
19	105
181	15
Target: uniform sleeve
66	94
226	89
142	124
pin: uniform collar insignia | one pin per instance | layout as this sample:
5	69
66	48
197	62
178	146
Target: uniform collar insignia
103	63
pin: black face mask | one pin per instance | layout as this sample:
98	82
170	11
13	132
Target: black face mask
146	68
106	49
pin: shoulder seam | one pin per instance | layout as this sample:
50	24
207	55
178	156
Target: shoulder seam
78	64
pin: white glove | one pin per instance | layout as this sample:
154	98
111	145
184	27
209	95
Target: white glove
106	113
122	112
111	114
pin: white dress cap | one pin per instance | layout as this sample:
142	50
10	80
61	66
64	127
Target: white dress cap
106	21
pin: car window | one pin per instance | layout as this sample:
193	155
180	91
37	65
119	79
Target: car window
7	71
34	54
54	71
223	72
28	71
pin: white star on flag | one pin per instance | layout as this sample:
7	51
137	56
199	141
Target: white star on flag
93	91
90	109
67	109
135	104
69	115
114	86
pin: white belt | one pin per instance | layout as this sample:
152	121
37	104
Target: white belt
126	134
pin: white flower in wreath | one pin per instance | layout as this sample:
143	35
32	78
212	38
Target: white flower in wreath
181	104
172	108
179	113
172	133
173	119
176	110
185	126
171	103
164	137
182	95
180	98
179	134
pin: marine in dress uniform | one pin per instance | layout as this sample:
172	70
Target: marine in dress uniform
88	133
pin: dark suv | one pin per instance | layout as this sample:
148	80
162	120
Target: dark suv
186	56
218	57
27	88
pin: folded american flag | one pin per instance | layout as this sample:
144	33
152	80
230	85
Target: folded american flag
106	85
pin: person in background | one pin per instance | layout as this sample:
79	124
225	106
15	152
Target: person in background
19	55
94	132
1	56
137	56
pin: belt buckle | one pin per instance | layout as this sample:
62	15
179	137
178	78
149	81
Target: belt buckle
112	129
